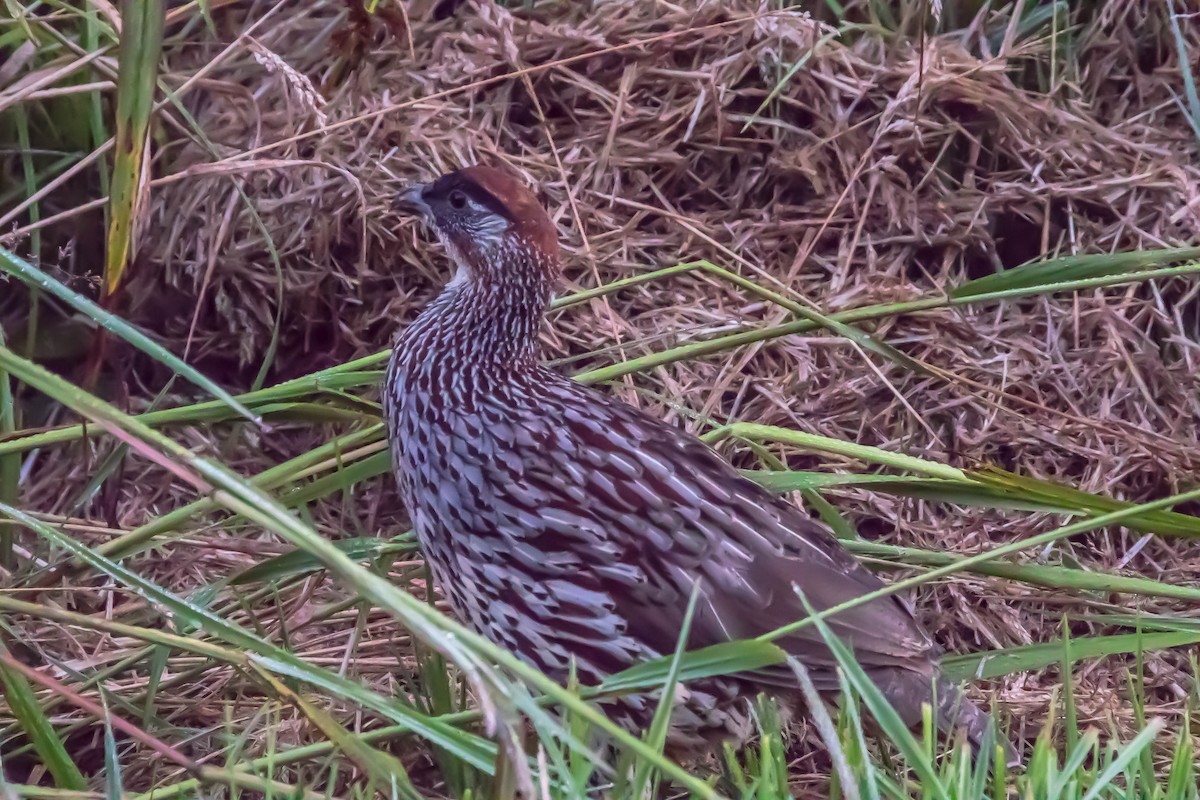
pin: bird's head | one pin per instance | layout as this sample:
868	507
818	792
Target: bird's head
491	224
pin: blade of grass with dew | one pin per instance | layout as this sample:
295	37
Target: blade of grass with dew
140	50
474	654
23	705
33	277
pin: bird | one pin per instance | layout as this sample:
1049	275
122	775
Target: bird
573	530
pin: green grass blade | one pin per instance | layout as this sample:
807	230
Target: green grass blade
645	777
33	277
1073	268
840	327
1135	749
885	715
112	761
967	563
998	663
385	772
10	466
23	704
1181	779
299	562
991	487
140	49
1054	577
1185	69
726	658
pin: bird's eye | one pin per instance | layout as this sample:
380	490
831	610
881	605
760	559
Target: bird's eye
458	200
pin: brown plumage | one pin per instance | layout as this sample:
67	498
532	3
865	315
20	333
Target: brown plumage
564	524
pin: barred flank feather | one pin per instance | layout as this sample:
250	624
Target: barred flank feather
563	524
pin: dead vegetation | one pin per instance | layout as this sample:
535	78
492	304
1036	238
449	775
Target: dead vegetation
888	167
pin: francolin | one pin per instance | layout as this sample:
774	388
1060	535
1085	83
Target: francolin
565	525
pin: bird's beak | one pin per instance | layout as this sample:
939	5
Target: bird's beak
410	201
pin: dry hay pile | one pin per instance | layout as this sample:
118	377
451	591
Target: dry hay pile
881	172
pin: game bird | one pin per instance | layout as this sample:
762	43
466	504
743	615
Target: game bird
570	528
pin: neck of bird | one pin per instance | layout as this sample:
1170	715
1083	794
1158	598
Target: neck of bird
485	320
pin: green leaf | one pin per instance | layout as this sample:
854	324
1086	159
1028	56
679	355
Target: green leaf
645	777
1055	577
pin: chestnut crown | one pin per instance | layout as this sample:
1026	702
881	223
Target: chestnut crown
483	214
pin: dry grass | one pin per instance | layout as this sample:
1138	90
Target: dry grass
885	169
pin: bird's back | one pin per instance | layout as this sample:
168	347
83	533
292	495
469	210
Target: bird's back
564	523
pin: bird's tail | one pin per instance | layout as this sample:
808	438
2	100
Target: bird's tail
908	690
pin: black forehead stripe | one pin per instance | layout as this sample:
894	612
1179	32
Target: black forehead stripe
443	186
